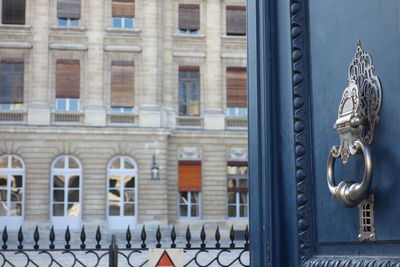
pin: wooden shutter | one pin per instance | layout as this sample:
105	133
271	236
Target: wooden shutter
236	87
189	68
11	81
68	78
13	12
69	9
190	176
122	83
123	8
189	17
236	20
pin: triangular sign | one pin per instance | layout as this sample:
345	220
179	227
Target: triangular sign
165	261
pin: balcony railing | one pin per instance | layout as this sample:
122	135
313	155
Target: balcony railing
239	123
12	116
115	118
67	117
189	122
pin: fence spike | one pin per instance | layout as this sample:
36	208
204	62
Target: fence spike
143	237
67	238
20	238
128	237
98	237
83	237
173	237
36	238
52	237
246	237
5	238
158	237
188	237
232	237
217	238
203	237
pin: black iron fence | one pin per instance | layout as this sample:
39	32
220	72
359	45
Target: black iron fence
197	253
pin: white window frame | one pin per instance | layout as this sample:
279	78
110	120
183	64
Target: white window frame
237	203
236	112
67	105
69	22
61	222
122	222
13	222
189	206
123	22
124	110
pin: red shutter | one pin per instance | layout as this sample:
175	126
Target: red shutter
122	84
190	176
123	8
67	78
236	87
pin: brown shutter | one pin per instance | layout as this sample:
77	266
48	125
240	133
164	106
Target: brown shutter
189	17
190	176
122	83
236	20
69	9
236	87
11	81
189	68
13	12
123	8
68	78
237	163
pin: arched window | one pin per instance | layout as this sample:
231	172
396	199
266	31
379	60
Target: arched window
66	192
121	192
12	180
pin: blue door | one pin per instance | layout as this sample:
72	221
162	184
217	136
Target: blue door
303	56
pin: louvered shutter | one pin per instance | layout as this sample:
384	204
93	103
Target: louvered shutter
123	8
189	17
236	87
69	9
68	78
122	84
190	176
13	12
236	20
11	81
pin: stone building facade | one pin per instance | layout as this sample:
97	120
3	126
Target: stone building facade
69	159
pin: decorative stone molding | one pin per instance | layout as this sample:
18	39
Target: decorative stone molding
20	45
188	54
351	262
190	153
58	46
234	55
123	48
237	154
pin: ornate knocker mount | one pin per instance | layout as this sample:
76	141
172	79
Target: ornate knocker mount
357	116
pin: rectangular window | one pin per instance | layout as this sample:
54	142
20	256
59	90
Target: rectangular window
189	189
189	19
11	82
68	13
67	85
13	12
236	20
123	14
237	185
122	86
189	91
236	91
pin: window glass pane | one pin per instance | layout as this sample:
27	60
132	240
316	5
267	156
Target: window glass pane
194	197
3	195
60	163
183	198
115	164
183	210
232	170
4	162
73	196
73	105
3	209
128	164
128	23
72	163
15	209
73	210
243	183
114	209
129	181
231	183
58	209
194	211
75	22
194	75
58	195
16	195
232	197
73	181
113	181
114	195
231	211
58	181
243	198
243	170
61	104
3	181
243	211
129	209
16	163
116	22
62	22
5	106
16	181
129	196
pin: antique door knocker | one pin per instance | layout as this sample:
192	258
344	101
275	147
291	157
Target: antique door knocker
357	116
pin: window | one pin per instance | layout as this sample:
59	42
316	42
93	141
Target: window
236	20
66	180
11	83
236	90
12	175
189	19
121	192
68	13
189	189
67	85
13	12
123	14
122	86
189	91
238	203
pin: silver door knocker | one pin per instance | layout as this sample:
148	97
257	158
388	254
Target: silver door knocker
357	116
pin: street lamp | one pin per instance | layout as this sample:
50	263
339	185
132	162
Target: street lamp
155	170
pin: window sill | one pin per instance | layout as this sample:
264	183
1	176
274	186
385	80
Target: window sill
234	38
123	30
67	29
199	36
15	27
